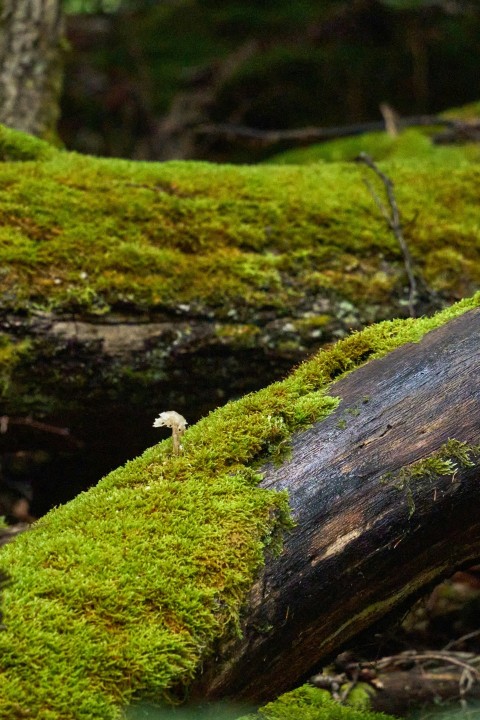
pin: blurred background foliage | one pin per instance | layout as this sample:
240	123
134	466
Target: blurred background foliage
142	77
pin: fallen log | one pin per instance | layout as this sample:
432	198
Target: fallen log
384	493
133	588
124	310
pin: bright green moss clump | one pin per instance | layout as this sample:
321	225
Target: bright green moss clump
309	703
445	461
408	145
122	593
16	146
83	234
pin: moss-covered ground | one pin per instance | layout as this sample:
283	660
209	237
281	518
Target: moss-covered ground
79	233
123	592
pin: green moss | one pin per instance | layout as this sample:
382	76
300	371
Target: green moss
409	144
471	111
359	696
309	703
442	267
88	234
123	592
16	146
445	461
11	353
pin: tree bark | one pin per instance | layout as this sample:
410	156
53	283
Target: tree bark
30	65
379	517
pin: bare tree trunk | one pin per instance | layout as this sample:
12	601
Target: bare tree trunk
30	65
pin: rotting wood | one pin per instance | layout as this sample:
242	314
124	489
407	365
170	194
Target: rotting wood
400	683
358	551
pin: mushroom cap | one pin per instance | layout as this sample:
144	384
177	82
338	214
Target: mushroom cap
171	419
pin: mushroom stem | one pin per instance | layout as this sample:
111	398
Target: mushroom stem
176	436
172	419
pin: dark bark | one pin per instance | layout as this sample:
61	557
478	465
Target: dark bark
30	65
366	538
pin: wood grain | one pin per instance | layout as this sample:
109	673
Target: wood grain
358	550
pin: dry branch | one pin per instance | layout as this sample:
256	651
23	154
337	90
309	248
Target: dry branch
411	679
307	135
6	422
394	222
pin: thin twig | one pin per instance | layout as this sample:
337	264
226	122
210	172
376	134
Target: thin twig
449	658
6	421
458	641
394	222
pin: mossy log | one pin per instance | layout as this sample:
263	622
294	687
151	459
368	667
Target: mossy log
384	494
135	588
128	288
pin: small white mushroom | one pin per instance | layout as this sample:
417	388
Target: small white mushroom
172	419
